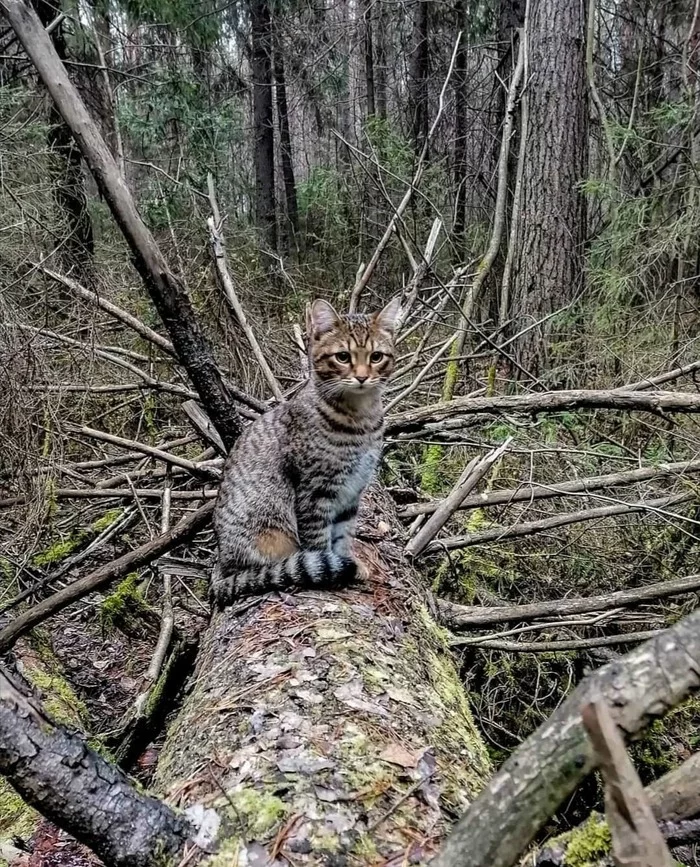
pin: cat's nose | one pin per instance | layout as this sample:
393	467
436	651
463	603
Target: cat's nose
361	379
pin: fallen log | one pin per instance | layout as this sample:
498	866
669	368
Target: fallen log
329	726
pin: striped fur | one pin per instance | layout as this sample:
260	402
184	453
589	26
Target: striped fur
285	513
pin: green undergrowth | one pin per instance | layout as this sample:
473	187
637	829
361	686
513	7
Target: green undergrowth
126	609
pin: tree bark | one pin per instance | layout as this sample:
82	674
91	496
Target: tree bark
368	38
58	774
168	294
548	265
419	61
329	726
460	143
290	187
380	57
263	121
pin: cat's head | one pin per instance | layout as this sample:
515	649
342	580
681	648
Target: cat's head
351	353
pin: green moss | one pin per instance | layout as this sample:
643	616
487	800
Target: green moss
106	520
586	845
125	607
258	811
58	697
16	818
59	550
431	477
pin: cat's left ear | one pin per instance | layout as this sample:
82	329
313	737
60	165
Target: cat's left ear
388	316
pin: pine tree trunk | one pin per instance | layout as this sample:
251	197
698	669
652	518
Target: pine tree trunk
329	726
548	265
418	75
369	57
290	188
460	143
380	64
263	120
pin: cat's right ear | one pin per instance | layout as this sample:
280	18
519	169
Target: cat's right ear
321	317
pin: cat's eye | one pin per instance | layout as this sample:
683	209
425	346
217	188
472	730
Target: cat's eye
376	357
342	357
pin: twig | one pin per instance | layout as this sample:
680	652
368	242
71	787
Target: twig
364	279
473	473
182	532
197	470
529	528
218	248
467	617
204	425
111	494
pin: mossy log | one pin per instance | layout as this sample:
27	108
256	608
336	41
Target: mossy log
331	727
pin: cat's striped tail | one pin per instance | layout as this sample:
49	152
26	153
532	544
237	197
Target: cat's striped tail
301	569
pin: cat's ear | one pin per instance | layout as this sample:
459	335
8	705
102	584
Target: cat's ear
388	316
321	317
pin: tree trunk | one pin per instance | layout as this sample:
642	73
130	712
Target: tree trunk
418	75
329	725
460	143
290	189
76	253
380	65
548	266
263	121
369	57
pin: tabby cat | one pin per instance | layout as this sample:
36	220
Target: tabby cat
286	508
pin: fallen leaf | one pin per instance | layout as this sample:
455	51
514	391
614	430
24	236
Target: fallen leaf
398	755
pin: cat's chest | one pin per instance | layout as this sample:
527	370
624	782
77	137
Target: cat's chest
355	477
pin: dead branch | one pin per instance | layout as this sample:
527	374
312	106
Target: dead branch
636	839
74	787
182	532
218	249
168	294
112	494
197	470
465	617
553	401
529	528
676	795
560	646
662	378
529	491
473	473
550	764
116	312
201	422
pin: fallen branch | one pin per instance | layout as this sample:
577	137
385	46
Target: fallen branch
111	494
542	773
116	312
662	378
553	401
636	839
142	556
473	473
529	491
465	617
560	646
529	528
197	470
72	786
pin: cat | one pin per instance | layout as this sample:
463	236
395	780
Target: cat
286	508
